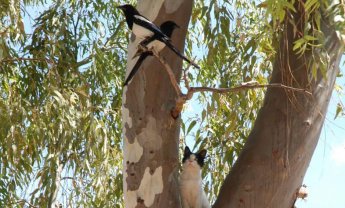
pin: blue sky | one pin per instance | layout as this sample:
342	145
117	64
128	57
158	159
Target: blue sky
325	178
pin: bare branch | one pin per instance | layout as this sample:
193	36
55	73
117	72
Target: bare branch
88	59
183	98
26	59
186	81
168	69
67	178
25	202
246	86
185	78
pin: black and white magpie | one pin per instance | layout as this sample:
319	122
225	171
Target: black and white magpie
149	34
153	42
167	28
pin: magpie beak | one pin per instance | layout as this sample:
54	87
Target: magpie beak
167	28
147	32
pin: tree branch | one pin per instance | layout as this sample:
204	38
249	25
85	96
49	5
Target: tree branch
183	98
26	59
246	86
67	178
168	69
25	202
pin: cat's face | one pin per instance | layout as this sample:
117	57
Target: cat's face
193	160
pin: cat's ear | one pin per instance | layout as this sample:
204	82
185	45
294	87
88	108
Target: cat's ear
187	151
202	153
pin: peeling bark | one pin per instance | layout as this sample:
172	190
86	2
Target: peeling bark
272	165
151	135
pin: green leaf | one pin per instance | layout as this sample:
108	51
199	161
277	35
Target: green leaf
309	4
281	15
191	125
338	110
298	43
183	127
309	37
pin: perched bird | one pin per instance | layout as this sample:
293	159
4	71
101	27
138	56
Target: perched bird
153	42
149	33
167	28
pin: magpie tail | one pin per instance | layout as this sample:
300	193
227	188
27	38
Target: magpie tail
137	66
172	47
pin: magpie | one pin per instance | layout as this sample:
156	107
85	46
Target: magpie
153	42
147	32
167	28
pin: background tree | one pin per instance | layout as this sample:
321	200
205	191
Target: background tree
60	103
61	72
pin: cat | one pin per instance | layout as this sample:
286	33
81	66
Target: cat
192	193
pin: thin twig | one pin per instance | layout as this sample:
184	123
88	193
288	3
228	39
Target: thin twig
67	178
185	78
26	59
246	86
170	73
186	81
91	56
183	98
167	68
23	201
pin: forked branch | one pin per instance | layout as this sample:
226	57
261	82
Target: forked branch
183	98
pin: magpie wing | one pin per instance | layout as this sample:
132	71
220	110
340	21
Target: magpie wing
146	41
144	22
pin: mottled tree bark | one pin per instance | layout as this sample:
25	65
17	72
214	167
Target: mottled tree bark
151	135
275	158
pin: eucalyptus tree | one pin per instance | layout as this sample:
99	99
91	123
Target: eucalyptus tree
71	134
60	139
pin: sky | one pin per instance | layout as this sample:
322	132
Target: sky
325	178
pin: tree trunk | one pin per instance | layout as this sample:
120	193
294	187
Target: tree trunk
272	165
151	135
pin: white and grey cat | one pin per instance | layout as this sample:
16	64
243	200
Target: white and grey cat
192	193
